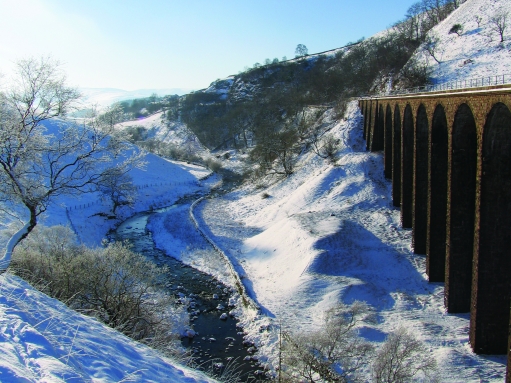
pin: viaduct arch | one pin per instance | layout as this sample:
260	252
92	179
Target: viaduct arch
448	155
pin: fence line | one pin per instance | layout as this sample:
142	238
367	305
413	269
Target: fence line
501	79
138	187
73	226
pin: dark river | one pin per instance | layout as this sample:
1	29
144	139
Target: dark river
219	343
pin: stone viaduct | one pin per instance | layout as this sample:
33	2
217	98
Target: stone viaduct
449	157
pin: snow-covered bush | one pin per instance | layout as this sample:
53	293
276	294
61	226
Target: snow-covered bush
113	284
335	353
213	164
325	146
403	359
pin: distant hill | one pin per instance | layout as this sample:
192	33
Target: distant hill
107	96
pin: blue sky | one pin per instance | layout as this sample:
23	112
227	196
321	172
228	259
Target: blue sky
179	44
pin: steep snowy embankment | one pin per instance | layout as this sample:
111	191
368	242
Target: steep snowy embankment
477	52
329	234
44	341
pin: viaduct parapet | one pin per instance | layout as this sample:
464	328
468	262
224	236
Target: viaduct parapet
449	157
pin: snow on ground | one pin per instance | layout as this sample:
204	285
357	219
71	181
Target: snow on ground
171	132
324	235
160	183
44	341
478	52
174	232
329	234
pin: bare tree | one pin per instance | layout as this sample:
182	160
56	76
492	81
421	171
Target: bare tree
403	359
333	354
301	50
414	16
42	158
436	10
431	46
276	153
324	146
498	23
478	20
117	186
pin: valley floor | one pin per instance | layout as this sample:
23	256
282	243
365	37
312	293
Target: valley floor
326	234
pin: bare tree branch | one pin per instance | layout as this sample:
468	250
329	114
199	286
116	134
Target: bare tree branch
42	157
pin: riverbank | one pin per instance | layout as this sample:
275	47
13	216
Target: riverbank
213	336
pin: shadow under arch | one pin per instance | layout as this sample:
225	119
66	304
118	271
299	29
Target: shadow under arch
387	156
461	192
407	168
437	197
368	125
396	158
420	182
489	320
365	112
377	139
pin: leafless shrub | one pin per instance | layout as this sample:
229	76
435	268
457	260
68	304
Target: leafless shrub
478	20
324	146
403	359
498	23
113	284
413	74
333	354
276	153
213	164
340	108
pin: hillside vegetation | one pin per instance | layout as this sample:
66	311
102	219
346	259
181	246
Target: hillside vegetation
272	110
258	105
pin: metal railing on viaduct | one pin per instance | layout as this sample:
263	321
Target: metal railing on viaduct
448	154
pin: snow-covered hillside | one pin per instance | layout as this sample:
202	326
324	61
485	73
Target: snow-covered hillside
329	234
44	341
171	132
477	52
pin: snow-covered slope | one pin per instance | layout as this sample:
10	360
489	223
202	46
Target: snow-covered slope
172	132
160	183
477	52
44	341
330	234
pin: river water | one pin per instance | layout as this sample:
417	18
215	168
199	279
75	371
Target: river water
219	343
